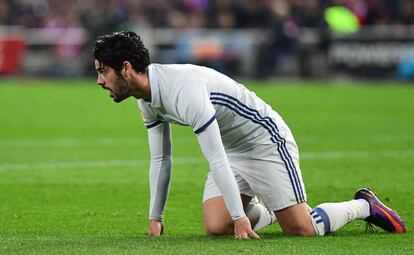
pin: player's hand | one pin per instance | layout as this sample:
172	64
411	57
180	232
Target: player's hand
155	227
243	229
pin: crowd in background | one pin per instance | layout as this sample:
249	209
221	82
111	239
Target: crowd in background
113	14
282	19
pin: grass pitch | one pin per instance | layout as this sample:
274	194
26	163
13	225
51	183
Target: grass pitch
74	169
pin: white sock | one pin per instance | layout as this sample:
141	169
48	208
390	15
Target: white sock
259	216
329	217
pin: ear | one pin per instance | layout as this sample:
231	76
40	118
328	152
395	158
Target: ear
126	68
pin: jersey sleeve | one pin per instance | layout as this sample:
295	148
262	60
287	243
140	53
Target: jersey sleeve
194	106
150	118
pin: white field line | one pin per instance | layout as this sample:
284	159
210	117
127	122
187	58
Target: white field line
137	141
89	164
192	160
356	154
76	142
67	142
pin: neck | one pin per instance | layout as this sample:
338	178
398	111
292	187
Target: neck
141	86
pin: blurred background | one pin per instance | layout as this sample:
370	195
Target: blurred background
257	39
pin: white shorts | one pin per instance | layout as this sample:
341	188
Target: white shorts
272	174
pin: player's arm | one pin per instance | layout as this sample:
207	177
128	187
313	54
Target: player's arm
159	138
213	149
196	109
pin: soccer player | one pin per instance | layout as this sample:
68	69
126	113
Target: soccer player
250	150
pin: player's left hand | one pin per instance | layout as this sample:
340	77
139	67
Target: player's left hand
243	229
155	227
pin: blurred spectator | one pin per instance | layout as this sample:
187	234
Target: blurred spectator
198	13
279	20
5	12
253	14
281	38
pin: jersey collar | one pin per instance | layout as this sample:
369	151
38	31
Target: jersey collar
155	91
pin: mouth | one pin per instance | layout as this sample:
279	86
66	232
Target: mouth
103	87
110	91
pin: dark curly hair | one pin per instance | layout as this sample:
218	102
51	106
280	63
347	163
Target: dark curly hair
115	48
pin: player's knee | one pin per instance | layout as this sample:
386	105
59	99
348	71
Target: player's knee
214	228
217	220
296	221
299	230
298	227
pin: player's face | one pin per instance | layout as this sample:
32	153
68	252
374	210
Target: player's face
110	80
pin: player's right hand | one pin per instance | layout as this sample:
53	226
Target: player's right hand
243	229
155	227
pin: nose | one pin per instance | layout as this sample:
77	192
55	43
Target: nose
100	81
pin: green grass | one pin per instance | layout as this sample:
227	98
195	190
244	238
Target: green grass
74	169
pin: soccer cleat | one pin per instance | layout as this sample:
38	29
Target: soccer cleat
380	215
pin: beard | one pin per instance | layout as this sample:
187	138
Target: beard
121	91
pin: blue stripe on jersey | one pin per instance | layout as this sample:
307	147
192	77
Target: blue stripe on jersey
198	131
283	156
282	144
154	124
256	113
271	127
276	138
266	122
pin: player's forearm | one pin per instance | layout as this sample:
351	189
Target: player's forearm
224	178
159	139
212	147
160	176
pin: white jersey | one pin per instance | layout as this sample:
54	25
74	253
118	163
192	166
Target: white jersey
198	96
